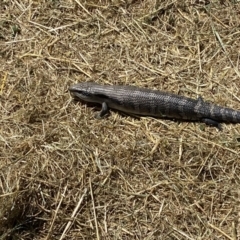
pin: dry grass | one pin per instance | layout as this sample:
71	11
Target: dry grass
65	174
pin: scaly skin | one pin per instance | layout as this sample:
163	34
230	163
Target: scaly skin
146	102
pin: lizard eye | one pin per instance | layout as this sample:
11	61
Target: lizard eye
85	93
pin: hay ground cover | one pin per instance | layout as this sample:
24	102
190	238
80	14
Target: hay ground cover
65	174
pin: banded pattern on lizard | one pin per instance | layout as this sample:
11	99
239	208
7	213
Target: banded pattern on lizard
146	102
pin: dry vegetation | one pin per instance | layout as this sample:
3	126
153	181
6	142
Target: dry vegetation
65	174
